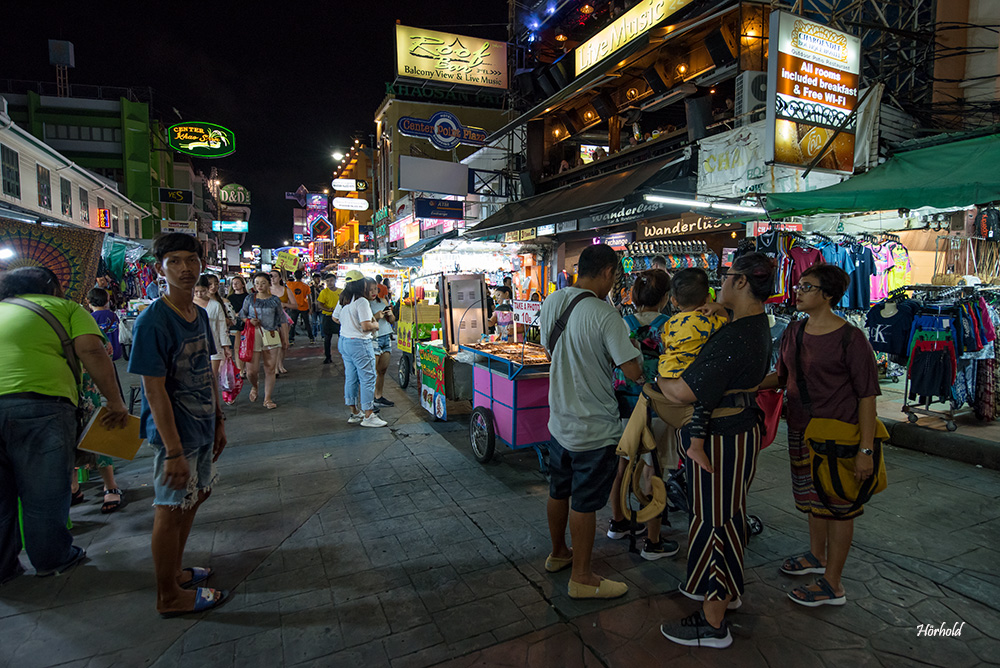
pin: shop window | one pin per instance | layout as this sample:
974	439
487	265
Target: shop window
11	172
114	219
66	197
100	203
84	206
44	188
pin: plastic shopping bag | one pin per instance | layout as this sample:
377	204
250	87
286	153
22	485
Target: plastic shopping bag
232	378
247	341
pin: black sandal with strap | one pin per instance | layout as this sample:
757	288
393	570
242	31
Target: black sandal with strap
111	506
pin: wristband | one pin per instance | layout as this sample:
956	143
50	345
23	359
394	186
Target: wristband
172	457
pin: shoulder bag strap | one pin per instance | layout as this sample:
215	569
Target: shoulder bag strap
67	343
560	326
800	374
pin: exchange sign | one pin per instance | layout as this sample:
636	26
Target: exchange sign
202	140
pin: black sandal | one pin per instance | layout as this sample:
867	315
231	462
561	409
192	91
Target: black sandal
111	506
76	498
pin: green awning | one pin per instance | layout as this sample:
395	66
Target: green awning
962	173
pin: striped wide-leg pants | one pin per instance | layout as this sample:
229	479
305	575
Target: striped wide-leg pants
718	533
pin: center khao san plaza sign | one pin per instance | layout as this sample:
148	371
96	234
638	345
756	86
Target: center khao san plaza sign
452	59
202	140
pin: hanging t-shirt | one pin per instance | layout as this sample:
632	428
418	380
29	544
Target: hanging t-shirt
901	273
864	263
767	242
890	333
802	258
839	256
879	288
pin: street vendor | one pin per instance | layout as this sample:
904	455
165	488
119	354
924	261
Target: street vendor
503	315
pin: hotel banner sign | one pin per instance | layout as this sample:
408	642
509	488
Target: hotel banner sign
625	29
813	75
450	59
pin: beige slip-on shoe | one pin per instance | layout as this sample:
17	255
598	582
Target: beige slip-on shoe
607	589
556	564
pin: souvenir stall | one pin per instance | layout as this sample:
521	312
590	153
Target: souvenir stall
945	337
72	253
638	257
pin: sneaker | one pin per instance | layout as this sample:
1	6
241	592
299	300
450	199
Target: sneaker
382	401
79	556
327	361
356	418
373	421
733	604
653	551
619	530
695	631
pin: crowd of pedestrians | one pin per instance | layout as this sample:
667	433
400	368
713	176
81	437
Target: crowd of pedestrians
702	365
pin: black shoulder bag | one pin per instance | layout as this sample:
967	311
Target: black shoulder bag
560	326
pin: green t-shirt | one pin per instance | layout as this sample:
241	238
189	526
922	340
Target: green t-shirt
31	358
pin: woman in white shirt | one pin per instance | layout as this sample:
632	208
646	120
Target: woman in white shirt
217	321
357	322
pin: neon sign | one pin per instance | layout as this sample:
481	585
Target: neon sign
104	219
203	140
448	58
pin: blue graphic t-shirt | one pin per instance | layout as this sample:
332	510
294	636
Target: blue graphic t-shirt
108	322
164	345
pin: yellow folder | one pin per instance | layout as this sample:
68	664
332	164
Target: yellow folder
120	443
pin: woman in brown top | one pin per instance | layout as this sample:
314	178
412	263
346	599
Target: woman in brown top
842	380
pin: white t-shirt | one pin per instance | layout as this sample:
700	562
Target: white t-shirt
351	317
583	410
383	325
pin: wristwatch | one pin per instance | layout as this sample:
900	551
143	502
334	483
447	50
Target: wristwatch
867	451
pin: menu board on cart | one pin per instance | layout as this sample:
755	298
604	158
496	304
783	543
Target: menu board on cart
432	391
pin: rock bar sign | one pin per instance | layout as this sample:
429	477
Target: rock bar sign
686	225
450	59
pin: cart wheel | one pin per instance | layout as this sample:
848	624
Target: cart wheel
126	351
403	372
894	379
951	426
912	417
754	525
482	434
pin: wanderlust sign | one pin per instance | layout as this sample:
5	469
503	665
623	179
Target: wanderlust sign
202	140
443	129
452	59
686	225
625	29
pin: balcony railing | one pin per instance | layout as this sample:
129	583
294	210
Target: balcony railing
85	91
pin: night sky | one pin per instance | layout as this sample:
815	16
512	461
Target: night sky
293	80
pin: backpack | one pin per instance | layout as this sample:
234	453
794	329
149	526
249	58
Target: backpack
650	340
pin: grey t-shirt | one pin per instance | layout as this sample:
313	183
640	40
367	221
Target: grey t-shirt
583	411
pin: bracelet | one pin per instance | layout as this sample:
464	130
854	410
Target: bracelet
166	459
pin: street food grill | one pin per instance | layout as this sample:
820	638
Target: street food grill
520	353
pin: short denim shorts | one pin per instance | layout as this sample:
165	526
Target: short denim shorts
585	477
203	476
383	344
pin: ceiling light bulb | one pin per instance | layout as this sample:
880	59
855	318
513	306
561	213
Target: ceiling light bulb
587	9
682	68
560	37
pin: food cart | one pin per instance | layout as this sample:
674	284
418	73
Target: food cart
417	323
510	399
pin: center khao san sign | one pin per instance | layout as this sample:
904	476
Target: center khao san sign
443	129
202	140
626	28
451	59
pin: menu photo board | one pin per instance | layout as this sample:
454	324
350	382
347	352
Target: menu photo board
813	76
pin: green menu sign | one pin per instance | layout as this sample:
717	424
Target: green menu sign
202	140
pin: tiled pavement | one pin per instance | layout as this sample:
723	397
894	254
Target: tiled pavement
393	547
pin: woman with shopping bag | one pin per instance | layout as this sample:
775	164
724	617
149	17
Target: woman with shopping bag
264	313
834	436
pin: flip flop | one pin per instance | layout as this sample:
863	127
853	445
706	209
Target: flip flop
253	394
810	598
198	575
270	405
204	599
794	565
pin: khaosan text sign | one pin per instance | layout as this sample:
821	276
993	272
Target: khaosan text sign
203	140
452	59
813	74
625	29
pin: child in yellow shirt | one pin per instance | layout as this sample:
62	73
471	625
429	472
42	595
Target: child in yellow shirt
683	338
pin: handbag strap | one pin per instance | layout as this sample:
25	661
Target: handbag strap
865	491
64	339
800	374
560	326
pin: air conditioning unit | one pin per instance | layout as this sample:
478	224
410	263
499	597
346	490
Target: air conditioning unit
751	97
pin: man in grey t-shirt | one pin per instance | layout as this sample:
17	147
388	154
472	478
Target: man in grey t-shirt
583	416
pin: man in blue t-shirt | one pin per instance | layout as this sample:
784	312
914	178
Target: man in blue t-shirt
182	417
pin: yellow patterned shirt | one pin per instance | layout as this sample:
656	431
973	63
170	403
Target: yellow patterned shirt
683	338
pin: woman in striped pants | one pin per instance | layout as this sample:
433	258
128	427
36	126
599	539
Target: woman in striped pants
729	368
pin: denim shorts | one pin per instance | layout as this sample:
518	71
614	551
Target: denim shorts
383	344
585	477
203	476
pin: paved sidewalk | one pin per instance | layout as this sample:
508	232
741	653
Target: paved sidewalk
394	547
